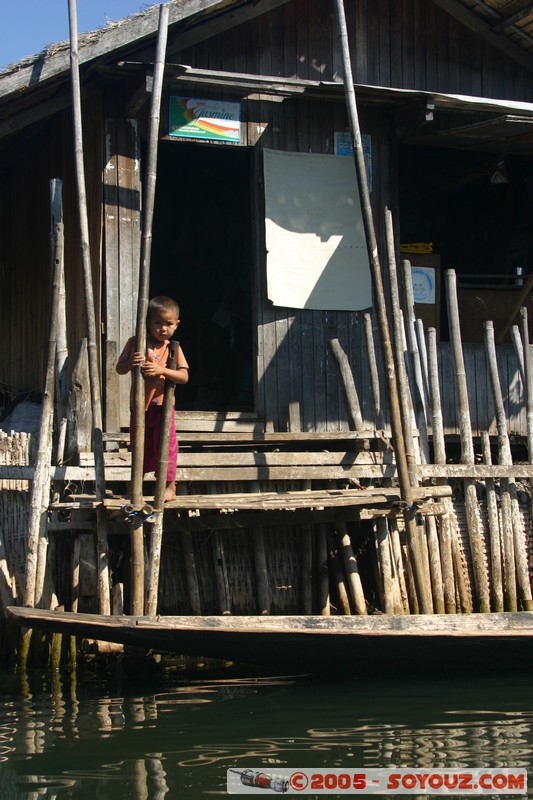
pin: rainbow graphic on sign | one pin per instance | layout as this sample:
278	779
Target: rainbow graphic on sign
215	120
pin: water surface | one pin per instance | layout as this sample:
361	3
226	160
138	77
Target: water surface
170	735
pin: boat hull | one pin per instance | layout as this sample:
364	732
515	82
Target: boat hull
352	645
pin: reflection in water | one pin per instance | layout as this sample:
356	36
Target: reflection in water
175	738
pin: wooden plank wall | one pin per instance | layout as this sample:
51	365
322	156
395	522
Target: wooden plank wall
410	44
25	173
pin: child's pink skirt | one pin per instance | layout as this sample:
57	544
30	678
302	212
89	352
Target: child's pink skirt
152	434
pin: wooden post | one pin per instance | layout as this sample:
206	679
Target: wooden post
381	315
508	485
160	485
467	447
137	545
494	530
92	346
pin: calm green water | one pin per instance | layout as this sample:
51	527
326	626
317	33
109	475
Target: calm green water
170	736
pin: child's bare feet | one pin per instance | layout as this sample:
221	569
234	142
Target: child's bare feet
170	492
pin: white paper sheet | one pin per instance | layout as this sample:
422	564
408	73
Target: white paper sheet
316	251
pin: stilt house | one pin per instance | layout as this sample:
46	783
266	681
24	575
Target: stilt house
257	226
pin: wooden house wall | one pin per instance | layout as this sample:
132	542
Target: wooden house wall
400	43
25	256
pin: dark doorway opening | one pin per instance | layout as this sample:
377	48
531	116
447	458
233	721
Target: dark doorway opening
202	256
475	208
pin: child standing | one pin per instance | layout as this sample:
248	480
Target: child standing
162	321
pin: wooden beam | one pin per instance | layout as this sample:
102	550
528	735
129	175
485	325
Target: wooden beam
482	28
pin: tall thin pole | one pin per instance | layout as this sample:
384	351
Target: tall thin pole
137	545
94	371
381	316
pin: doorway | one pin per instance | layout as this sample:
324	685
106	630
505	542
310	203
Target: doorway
202	256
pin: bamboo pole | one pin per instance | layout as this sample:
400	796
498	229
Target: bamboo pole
40	486
439	454
399	565
41	482
528	386
159	491
467	447
417	389
508	484
406	402
351	569
381	316
381	532
420	392
355	418
62	382
137	545
494	530
379	416
96	405
519	351
336	573
422	348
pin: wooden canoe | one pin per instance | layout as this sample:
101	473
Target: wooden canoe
354	645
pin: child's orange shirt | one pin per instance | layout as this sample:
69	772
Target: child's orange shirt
153	387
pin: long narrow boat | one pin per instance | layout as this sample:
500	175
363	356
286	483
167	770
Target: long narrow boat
356	645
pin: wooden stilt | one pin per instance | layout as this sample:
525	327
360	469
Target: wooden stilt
508	485
449	544
467	448
381	533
